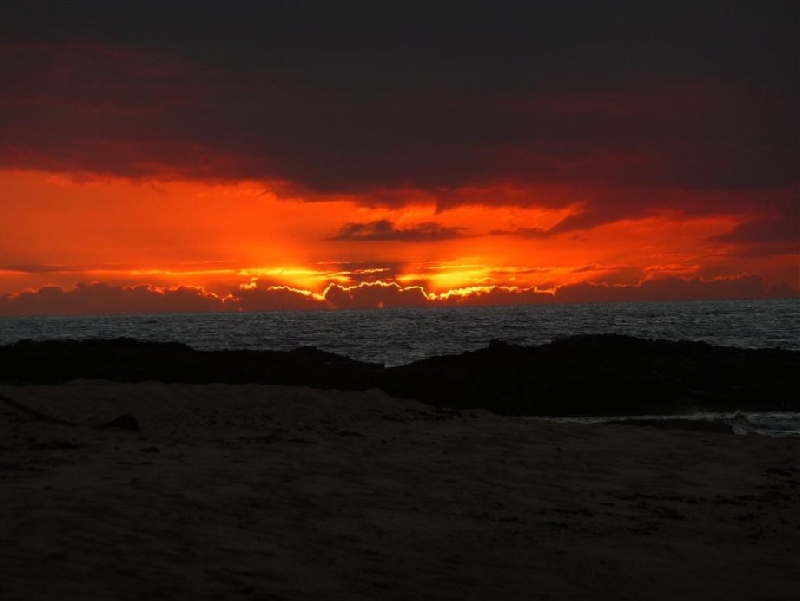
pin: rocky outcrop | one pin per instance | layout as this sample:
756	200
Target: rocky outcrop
604	375
580	375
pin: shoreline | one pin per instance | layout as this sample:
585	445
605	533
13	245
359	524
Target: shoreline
273	492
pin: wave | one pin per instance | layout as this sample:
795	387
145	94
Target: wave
769	424
740	422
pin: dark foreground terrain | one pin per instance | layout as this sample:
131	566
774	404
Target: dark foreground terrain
223	492
581	375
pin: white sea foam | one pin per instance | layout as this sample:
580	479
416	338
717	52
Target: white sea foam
767	423
770	424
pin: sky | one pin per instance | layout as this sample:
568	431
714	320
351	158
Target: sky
237	156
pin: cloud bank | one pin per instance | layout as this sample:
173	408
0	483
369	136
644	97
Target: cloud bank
103	299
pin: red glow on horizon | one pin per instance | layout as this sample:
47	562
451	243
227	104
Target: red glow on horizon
220	240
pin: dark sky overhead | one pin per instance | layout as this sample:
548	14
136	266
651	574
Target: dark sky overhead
348	96
593	113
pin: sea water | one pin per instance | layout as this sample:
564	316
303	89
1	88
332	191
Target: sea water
399	336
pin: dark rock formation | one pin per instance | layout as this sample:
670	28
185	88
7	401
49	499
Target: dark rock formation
604	375
123	422
130	360
581	375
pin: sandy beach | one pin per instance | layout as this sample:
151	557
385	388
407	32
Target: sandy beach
267	492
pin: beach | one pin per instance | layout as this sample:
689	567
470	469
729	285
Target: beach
242	491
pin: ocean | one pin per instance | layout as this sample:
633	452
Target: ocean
399	336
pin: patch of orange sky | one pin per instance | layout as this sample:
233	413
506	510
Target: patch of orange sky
59	230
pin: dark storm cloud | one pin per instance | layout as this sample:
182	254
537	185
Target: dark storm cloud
780	228
772	234
698	37
385	231
673	288
361	97
97	298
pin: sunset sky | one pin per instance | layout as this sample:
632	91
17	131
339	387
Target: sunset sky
205	156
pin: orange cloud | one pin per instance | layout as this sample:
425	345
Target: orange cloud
216	237
207	166
369	295
102	299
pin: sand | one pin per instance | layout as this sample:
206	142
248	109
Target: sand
267	492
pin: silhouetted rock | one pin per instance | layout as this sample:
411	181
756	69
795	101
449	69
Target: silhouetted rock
604	375
123	422
130	360
580	375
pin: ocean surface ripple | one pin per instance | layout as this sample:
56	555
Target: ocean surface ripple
400	336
